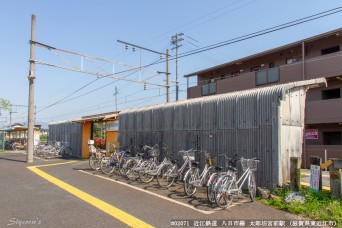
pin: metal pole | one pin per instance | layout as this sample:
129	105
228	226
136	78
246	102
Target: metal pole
176	66
31	78
305	114
10	122
187	87
325	157
167	77
116	98
303	60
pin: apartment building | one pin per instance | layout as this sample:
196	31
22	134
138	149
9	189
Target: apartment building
314	57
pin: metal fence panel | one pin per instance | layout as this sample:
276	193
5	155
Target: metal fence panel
2	140
250	123
68	132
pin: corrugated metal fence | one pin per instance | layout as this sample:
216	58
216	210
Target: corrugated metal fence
2	140
68	132
265	123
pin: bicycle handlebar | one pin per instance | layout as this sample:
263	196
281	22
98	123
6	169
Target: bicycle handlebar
230	159
185	151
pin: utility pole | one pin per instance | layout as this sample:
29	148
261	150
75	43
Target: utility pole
31	77
10	112
161	54
175	41
116	98
167	77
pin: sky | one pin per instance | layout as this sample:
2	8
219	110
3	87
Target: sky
92	28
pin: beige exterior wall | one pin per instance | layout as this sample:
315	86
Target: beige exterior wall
324	115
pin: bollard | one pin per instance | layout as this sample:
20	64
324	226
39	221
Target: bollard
295	173
336	178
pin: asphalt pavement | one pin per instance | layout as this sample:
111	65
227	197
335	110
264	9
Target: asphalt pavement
73	195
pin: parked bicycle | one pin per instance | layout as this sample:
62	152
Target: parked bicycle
19	146
109	164
95	155
194	179
132	167
227	186
151	168
229	167
125	156
171	172
59	149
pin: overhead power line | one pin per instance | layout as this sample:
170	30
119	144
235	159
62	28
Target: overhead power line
263	32
223	43
63	100
256	34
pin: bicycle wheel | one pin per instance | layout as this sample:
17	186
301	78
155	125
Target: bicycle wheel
94	162
167	175
107	165
211	187
222	198
251	186
209	172
189	178
38	151
15	146
66	152
130	166
145	167
50	153
122	166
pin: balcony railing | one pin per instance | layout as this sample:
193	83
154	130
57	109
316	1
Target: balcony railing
267	76
209	89
321	66
324	111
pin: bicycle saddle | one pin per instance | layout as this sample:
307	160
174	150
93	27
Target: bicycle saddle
140	154
218	168
194	162
232	169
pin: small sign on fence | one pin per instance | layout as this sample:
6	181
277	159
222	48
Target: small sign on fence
315	173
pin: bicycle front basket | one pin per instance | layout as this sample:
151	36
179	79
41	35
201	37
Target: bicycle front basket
190	154
249	163
154	152
92	149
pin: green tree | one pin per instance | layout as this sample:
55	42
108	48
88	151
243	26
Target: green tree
4	104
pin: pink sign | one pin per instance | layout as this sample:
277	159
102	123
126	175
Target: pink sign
311	134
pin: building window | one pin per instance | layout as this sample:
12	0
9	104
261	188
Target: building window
271	65
332	138
256	68
289	60
267	76
209	89
330	50
331	94
237	73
